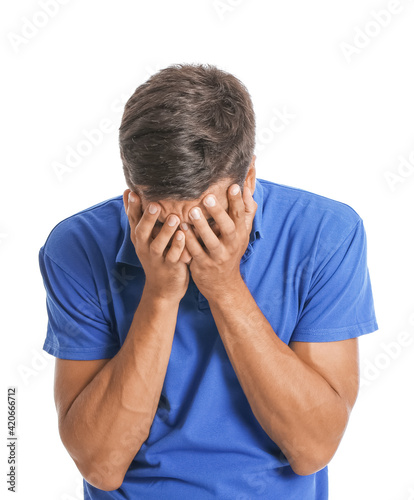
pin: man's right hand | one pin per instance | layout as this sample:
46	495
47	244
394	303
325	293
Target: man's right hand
166	276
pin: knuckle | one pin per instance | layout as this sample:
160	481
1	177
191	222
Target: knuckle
215	246
155	249
170	257
220	261
231	230
136	233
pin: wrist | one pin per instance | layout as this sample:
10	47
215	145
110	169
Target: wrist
228	294
159	296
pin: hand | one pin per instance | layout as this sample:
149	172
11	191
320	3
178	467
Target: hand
166	275
217	269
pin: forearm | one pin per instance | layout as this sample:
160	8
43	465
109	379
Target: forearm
111	418
293	403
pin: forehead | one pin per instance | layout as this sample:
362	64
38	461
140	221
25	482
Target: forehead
183	207
219	189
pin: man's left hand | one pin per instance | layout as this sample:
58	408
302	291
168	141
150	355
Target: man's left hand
216	270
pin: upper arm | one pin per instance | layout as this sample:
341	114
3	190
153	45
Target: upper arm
71	377
337	301
337	362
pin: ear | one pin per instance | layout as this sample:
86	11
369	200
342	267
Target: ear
125	198
250	180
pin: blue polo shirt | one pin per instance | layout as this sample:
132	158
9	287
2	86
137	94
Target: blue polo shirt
306	268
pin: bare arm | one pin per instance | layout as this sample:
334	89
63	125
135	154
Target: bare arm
105	426
109	415
302	394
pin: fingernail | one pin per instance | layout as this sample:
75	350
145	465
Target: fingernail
210	201
195	213
184	226
152	209
180	236
172	221
235	189
131	197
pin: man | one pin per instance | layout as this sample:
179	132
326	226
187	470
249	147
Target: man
205	354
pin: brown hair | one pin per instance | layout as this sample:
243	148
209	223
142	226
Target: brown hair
187	127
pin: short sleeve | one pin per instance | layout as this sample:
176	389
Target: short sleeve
339	304
76	326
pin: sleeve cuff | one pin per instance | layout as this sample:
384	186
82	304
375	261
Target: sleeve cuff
81	353
325	335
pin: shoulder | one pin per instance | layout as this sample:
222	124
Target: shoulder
307	215
306	202
84	233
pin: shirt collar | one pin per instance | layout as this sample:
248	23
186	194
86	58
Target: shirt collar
127	254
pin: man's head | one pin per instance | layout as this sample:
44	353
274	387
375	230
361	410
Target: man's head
187	128
182	208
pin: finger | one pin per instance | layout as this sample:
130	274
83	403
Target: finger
159	243
185	256
223	221
250	207
177	246
237	208
209	238
146	223
193	246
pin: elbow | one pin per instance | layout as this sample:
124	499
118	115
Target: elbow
308	464
103	483
307	460
308	468
101	474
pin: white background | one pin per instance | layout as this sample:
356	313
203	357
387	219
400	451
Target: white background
351	122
